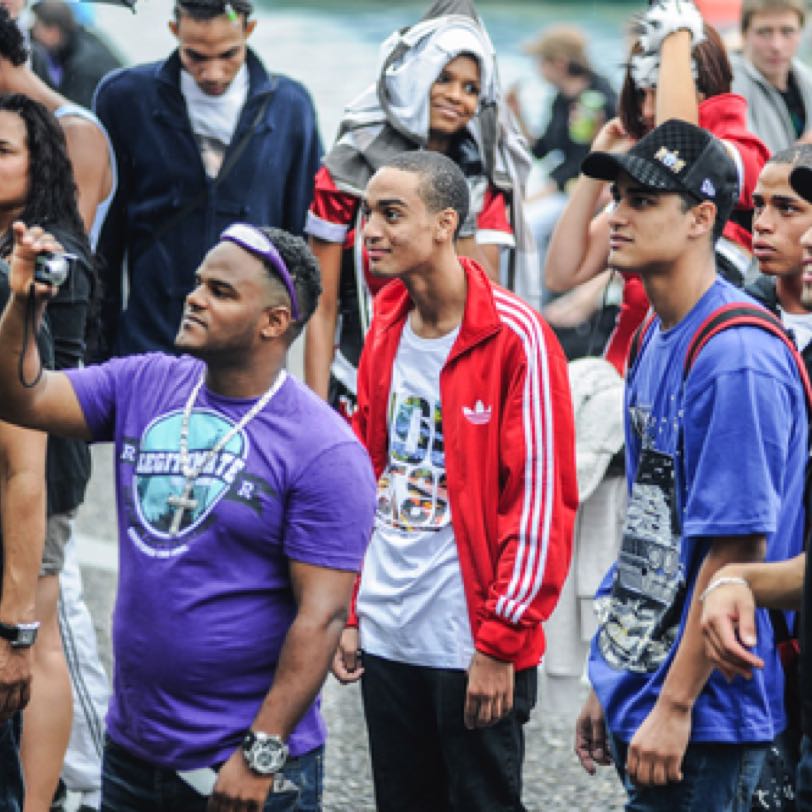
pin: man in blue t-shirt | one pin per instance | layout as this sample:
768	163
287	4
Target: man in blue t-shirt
244	508
715	466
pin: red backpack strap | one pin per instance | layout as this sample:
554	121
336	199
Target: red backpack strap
638	338
753	315
736	314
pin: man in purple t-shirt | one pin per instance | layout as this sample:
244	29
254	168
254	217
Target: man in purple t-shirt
244	508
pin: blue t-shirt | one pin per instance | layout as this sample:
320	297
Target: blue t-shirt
201	616
723	455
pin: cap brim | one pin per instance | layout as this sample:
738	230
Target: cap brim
649	174
801	181
602	165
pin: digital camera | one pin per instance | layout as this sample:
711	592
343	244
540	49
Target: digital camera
53	269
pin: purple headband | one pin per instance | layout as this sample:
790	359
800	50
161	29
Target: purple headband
255	242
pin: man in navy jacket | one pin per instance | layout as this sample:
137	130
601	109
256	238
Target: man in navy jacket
205	138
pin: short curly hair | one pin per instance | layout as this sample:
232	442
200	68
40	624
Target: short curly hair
442	184
792	156
303	267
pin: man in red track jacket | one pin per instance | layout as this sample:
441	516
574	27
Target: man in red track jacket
464	407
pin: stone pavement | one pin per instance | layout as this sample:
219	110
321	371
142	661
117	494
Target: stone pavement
553	778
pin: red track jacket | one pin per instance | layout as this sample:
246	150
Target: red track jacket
509	455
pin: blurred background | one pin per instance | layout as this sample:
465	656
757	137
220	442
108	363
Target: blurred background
331	46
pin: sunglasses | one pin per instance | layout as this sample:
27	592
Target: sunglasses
255	242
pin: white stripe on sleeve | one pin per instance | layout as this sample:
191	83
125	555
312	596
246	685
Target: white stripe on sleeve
532	550
324	229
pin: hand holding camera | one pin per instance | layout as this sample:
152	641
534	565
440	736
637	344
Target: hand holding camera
38	259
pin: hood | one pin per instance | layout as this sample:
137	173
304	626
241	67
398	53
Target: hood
442	8
411	61
597	402
392	114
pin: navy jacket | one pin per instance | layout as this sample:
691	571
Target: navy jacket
160	172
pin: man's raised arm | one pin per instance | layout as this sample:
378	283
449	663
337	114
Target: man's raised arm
50	404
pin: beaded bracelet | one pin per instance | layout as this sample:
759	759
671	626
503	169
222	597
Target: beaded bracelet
730	580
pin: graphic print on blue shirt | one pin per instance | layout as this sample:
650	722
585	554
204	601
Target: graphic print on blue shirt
640	618
412	493
157	477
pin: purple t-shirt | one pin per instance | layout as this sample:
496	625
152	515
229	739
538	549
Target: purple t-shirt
201	616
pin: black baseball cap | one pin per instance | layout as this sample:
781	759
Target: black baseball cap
676	157
801	180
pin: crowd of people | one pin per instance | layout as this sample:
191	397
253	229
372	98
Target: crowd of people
453	495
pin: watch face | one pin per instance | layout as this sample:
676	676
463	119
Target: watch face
265	762
21	636
265	755
26	637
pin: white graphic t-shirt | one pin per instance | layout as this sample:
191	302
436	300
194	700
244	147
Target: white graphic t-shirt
411	604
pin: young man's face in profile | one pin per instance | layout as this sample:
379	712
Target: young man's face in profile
647	228
224	312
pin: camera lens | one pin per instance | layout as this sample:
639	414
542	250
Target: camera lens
52	269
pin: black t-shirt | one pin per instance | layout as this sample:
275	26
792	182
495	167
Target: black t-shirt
578	117
795	106
61	342
68	461
44	339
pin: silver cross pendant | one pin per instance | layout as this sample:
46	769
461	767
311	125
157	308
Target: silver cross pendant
181	504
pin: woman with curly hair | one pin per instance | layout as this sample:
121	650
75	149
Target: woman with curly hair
37	186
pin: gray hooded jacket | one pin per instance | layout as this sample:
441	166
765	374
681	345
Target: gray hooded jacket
767	114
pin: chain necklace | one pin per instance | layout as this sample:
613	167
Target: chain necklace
183	502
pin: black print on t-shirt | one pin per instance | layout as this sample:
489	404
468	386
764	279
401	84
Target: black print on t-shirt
640	618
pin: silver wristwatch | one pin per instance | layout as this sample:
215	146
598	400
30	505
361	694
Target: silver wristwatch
264	753
19	635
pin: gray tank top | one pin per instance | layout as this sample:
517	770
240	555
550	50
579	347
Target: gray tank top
104	205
